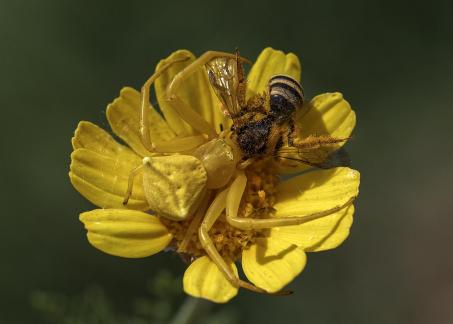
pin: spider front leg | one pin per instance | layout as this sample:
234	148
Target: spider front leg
130	183
177	144
182	108
213	213
233	201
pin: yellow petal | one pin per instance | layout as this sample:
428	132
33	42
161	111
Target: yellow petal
269	63
102	177
314	192
93	138
174	185
320	234
123	115
203	279
125	233
195	91
272	264
330	114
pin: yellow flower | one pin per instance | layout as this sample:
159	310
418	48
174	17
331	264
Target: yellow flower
270	258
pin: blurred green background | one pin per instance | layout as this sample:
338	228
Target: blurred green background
64	61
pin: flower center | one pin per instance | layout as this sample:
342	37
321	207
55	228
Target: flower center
257	202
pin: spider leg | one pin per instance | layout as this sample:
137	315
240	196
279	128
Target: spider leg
182	108
130	183
146	105
213	213
233	201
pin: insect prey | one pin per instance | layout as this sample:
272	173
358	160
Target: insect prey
265	124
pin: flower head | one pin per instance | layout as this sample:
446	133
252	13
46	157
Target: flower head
175	181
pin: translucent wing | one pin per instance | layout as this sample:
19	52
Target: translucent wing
323	159
318	151
225	78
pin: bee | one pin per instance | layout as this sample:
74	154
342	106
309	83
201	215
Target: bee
266	125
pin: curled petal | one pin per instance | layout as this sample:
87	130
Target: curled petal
269	63
123	115
125	233
273	263
203	279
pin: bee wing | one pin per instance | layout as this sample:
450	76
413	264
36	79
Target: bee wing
321	157
224	79
329	160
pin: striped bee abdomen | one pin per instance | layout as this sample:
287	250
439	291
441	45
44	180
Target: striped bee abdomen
286	95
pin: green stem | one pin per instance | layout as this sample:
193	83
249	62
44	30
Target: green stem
191	311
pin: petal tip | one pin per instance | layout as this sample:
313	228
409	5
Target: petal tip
79	129
335	96
354	174
273	263
176	54
84	218
268	49
203	279
125	91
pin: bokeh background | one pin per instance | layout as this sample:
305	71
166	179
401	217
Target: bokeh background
64	61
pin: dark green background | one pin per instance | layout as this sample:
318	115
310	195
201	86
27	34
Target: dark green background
63	61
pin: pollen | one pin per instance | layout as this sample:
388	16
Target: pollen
257	202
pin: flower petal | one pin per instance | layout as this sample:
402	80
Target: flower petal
329	114
123	115
204	279
125	233
103	184
102	178
320	234
316	191
269	63
271	264
92	137
195	91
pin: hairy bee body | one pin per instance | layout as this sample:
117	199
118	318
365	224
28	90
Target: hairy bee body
264	126
285	96
261	129
252	137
